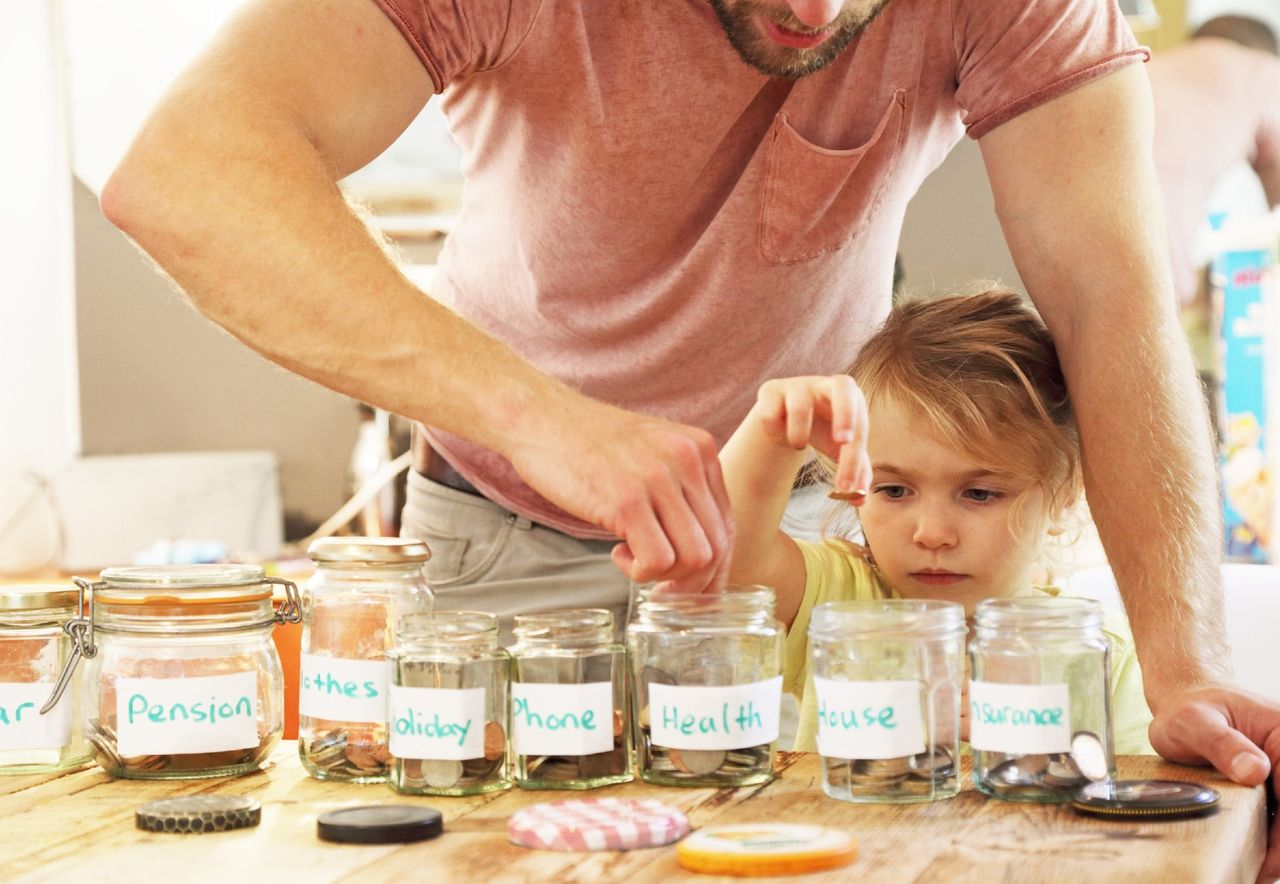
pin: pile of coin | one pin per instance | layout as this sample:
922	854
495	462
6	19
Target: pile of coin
904	777
428	776
106	752
1055	776
334	755
578	768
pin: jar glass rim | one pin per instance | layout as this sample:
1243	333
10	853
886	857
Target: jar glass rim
881	618
370	551
182	576
1038	612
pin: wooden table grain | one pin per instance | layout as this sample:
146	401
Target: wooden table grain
78	827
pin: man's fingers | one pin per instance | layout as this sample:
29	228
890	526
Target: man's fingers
1198	731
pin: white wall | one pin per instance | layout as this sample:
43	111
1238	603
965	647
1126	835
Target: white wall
39	398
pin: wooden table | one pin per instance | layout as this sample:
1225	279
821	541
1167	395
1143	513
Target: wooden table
78	827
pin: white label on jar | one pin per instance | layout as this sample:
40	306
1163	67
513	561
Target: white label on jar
868	719
180	716
715	717
562	719
437	723
343	690
21	724
1017	718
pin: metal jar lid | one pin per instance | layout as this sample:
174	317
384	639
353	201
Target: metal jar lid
182	585
368	551
36	596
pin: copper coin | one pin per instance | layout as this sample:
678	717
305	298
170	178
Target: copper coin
495	740
857	497
362	757
617	723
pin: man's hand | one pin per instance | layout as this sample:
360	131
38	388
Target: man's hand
1235	731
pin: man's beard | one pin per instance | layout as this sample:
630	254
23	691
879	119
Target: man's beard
783	62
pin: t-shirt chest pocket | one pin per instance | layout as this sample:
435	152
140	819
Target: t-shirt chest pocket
817	200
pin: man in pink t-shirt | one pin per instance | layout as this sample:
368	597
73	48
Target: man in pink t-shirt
1217	101
666	202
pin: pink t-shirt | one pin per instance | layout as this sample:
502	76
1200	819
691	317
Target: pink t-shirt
661	227
1217	105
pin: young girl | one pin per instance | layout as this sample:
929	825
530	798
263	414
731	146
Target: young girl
974	462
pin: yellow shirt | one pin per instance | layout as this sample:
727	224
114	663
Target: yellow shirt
833	573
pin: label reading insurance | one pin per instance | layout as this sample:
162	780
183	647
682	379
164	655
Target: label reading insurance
437	723
715	717
163	716
562	719
1019	717
343	690
869	719
21	724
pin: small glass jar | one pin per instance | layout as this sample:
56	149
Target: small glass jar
361	588
569	701
887	675
1041	670
182	678
708	686
448	717
34	649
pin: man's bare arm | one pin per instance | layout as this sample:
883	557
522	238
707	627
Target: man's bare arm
230	187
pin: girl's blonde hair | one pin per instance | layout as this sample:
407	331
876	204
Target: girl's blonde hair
983	371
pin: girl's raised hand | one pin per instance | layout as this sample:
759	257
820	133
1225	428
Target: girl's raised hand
828	414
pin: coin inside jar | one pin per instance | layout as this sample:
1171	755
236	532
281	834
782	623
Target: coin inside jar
441	774
699	762
495	741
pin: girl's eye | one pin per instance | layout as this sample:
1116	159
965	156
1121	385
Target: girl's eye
982	495
893	492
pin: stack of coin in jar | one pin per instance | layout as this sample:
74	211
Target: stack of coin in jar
889	779
1060	773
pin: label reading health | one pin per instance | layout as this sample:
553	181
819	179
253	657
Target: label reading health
437	723
21	724
1019	718
869	719
343	690
179	716
562	719
715	717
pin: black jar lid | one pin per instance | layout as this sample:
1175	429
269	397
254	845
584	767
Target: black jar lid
1145	799
380	824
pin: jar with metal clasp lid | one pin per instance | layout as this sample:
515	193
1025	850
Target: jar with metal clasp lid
34	648
361	589
182	679
708	686
448	718
569	701
1039	708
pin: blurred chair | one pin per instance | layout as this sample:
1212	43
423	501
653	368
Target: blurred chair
1251	596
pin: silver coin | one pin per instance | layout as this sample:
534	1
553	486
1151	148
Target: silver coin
1033	765
1090	756
106	750
932	765
1062	773
1008	774
884	767
441	774
701	762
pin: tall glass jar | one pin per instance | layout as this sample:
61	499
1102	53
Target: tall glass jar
569	701
1041	670
887	675
361	588
182	678
708	686
448	718
33	651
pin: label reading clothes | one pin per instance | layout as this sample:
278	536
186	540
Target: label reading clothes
343	690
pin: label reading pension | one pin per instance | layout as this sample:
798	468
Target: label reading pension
715	717
1019	717
21	724
343	690
437	723
179	716
562	719
869	719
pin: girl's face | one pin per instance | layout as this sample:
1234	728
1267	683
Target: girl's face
938	523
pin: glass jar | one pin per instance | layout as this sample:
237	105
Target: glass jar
361	588
569	701
887	675
1041	670
708	686
448	695
34	649
182	678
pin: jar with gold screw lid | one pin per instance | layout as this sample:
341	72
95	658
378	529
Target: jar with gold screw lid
34	648
361	589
